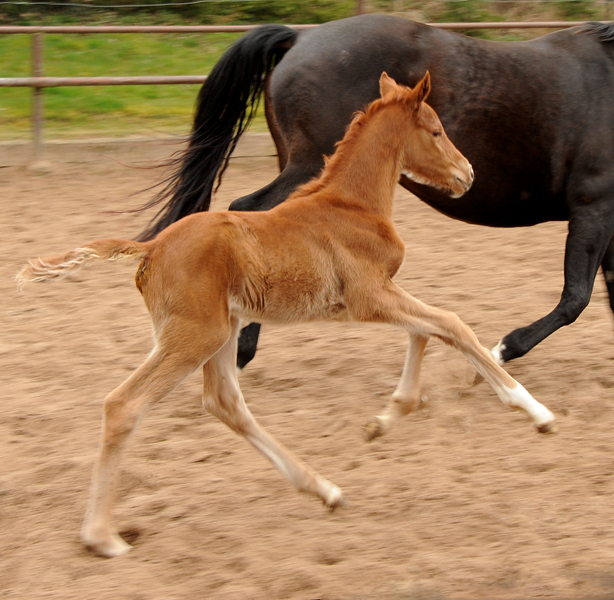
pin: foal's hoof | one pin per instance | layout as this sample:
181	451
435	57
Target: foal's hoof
549	427
335	499
374	430
107	548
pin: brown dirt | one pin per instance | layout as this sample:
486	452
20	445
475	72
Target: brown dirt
462	500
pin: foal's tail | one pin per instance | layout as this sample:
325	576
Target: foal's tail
58	267
226	104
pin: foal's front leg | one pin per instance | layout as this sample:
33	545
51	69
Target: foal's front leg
406	398
223	398
395	306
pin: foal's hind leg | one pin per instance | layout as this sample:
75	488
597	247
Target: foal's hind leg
223	398
395	306
124	407
406	398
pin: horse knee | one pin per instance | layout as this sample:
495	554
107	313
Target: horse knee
570	310
120	418
404	404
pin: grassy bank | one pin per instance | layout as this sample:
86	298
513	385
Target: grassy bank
146	110
118	110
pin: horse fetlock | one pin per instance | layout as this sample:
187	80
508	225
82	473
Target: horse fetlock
103	543
402	405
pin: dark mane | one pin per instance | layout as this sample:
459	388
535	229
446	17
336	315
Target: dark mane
603	31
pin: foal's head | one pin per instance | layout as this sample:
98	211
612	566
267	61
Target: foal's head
428	157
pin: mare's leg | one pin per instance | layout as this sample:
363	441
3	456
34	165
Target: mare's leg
223	398
248	344
295	174
607	264
406	398
271	119
170	363
590	233
269	196
395	306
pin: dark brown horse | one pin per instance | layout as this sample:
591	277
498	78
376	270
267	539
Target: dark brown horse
536	120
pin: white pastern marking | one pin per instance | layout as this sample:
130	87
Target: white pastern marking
520	399
497	353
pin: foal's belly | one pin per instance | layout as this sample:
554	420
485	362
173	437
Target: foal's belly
292	301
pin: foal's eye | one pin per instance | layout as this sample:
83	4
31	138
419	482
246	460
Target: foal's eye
436	133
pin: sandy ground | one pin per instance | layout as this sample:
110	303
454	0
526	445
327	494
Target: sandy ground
462	500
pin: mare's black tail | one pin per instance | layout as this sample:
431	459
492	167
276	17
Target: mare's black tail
226	104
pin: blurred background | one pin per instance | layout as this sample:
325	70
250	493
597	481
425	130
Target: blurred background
166	109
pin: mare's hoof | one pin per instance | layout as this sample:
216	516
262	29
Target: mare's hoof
109	548
549	427
374	430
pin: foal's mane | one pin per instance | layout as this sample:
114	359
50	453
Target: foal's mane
345	146
603	31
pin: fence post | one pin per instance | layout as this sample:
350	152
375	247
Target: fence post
37	117
360	7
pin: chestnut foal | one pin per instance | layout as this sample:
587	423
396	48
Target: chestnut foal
327	253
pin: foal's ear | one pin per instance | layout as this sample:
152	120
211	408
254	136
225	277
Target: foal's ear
387	85
423	88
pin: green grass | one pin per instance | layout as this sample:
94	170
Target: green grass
146	110
108	110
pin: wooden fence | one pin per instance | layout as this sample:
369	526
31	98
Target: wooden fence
38	82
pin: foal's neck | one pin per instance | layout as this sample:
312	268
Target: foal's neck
367	164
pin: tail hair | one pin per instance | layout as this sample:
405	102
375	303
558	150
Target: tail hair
226	105
58	267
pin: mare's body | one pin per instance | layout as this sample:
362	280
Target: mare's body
535	118
204	274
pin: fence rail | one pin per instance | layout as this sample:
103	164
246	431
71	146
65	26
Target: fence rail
46	82
37	81
243	28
